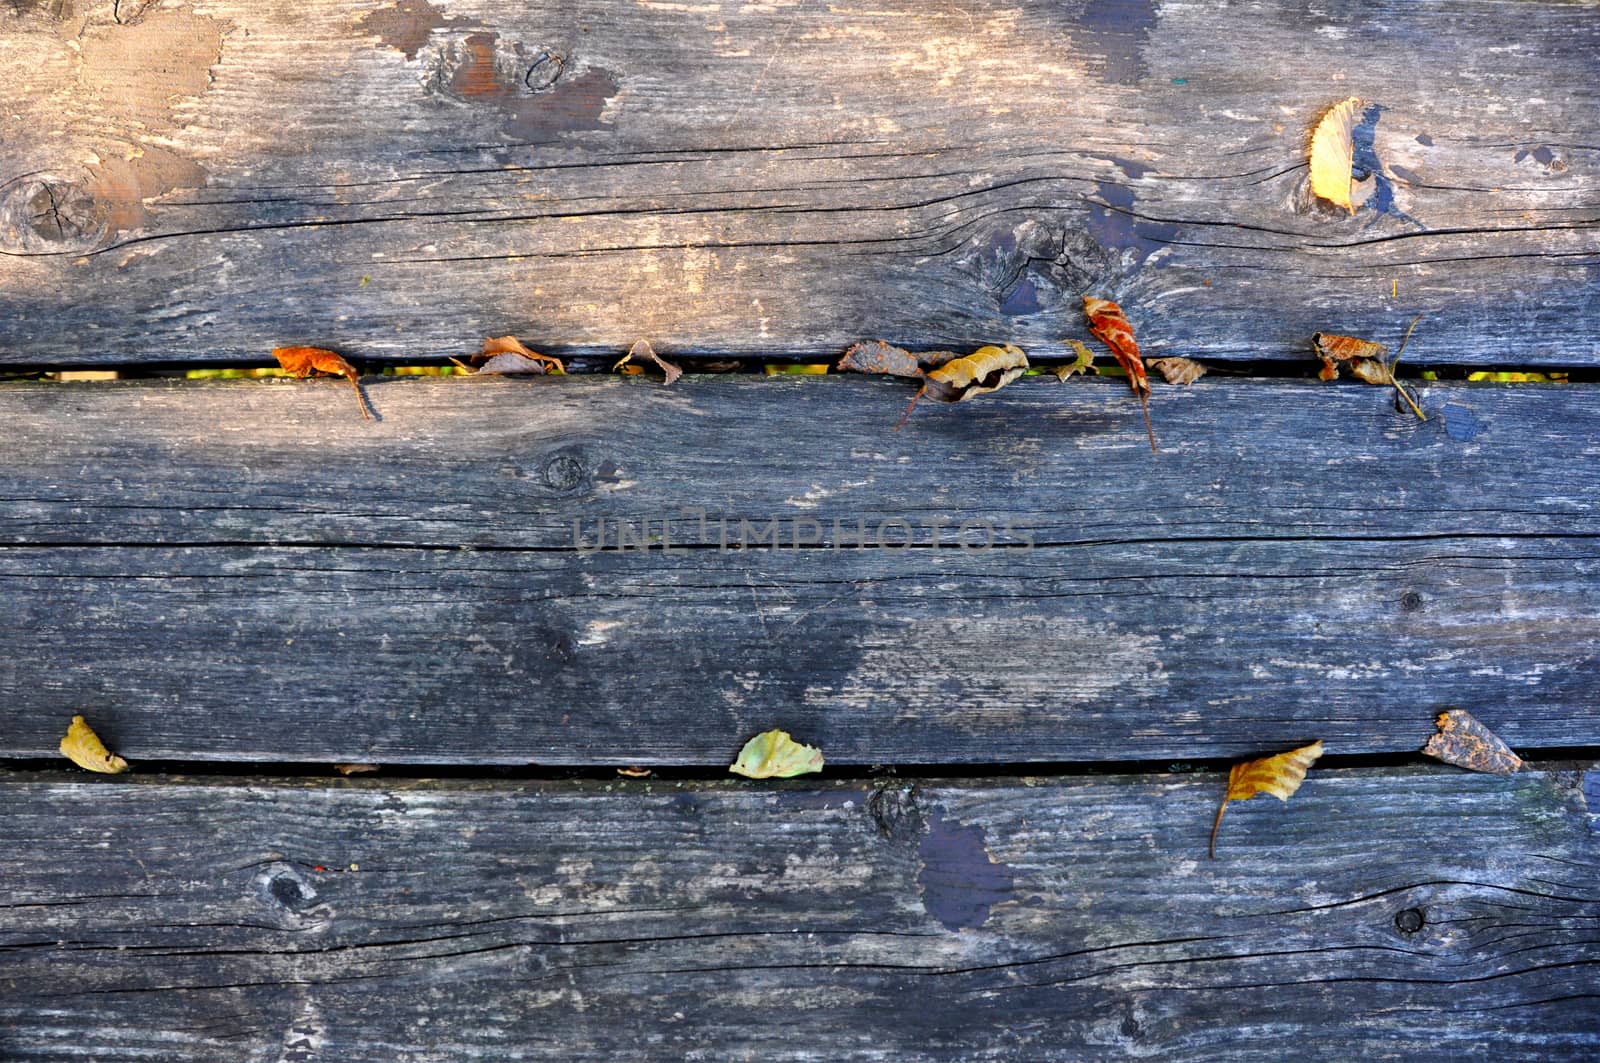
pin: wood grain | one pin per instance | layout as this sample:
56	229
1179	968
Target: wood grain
400	179
512	464
249	571
1421	912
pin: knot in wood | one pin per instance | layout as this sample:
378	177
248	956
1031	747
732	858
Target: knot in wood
545	72
563	472
282	886
43	215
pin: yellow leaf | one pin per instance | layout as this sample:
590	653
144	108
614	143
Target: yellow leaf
774	755
1333	154
84	748
984	370
1279	776
1084	363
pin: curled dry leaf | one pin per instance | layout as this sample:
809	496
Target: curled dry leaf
301	362
1333	154
876	356
985	370
1178	370
505	355
774	755
634	773
1279	776
1465	742
84	748
1365	360
354	769
1084	363
958	379
1336	351
1112	328
642	350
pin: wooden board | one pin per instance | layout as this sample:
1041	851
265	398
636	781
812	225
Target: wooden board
399	179
250	572
1423	913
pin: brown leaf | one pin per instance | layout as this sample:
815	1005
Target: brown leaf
1467	743
1365	360
1111	327
507	355
1279	776
634	773
354	769
84	748
301	362
1084	363
1336	350
1178	370
876	356
646	353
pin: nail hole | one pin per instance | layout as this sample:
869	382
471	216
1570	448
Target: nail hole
1409	921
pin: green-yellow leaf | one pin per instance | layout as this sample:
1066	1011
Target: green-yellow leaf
774	755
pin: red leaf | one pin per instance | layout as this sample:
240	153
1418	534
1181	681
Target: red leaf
1111	327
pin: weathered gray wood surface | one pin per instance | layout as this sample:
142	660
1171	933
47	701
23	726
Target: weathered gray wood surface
205	181
1418	913
250	571
512	464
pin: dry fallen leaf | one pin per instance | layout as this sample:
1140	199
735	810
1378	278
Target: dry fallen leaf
1336	351
354	769
958	379
1465	742
84	748
1084	363
774	755
1178	370
645	353
301	362
505	355
1112	328
1333	154
985	370
876	356
1365	360
634	773
1279	776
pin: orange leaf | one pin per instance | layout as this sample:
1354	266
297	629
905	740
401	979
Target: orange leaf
301	362
1111	327
1279	776
1466	743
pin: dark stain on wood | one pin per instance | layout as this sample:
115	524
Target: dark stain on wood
1117	30
960	880
408	24
529	86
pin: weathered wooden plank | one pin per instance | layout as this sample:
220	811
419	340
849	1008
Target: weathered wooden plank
514	464
250	571
1089	652
1422	913
205	182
